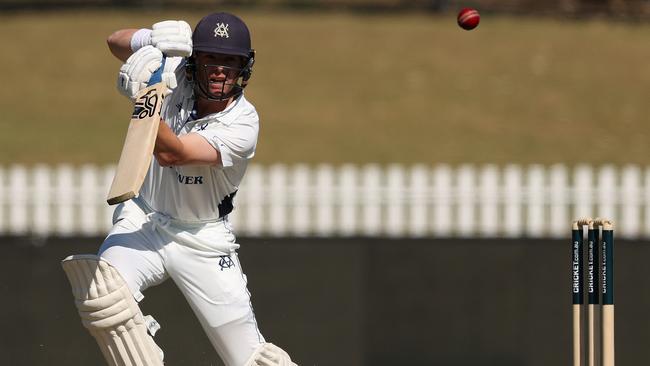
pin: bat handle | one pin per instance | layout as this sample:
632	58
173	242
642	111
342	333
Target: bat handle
156	77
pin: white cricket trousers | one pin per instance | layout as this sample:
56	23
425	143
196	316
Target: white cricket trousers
147	248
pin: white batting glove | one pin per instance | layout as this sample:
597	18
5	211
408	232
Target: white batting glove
172	37
136	72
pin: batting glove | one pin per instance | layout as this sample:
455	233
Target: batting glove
139	69
172	37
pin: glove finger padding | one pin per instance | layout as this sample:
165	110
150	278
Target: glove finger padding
135	73
169	76
175	49
172	37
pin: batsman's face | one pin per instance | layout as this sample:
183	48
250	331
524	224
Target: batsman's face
218	72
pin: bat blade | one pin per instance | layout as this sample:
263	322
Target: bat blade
138	145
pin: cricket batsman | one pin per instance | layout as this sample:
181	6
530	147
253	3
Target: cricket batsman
178	225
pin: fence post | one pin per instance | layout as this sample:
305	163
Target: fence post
106	179
417	199
466	198
17	197
87	198
488	191
42	200
582	191
348	200
3	184
301	213
371	199
324	200
254	198
65	200
630	202
646	202
559	201
535	223
442	201
513	194
277	200
606	193
395	197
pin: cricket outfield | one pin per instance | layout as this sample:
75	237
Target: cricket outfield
337	87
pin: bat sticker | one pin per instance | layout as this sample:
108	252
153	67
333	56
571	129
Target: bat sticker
145	106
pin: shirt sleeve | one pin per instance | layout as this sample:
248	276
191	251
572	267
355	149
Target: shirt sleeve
235	142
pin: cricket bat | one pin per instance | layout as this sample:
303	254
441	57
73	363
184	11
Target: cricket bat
138	145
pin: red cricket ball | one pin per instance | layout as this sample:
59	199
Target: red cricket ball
468	18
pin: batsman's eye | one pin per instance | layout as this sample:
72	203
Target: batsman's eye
219	69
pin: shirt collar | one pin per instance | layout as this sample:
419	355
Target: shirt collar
228	115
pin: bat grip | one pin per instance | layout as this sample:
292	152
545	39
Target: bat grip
156	77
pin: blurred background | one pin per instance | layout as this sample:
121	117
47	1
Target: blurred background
413	186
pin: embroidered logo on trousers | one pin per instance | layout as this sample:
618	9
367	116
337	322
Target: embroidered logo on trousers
225	262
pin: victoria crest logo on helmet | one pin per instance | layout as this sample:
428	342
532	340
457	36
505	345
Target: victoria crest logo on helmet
221	30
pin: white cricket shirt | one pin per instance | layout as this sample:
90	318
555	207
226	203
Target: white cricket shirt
202	193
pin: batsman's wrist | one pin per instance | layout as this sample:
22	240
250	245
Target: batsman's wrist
140	38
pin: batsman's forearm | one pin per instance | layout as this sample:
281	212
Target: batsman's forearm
120	43
168	149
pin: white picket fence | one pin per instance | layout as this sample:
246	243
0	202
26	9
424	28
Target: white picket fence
369	200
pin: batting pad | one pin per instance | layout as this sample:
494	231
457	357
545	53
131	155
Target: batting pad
110	313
